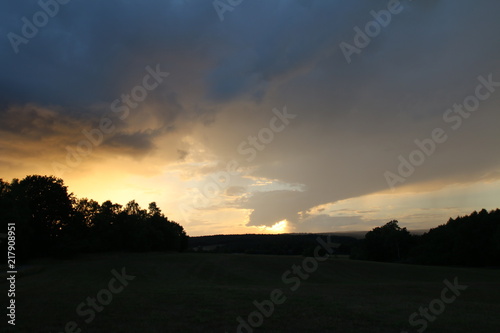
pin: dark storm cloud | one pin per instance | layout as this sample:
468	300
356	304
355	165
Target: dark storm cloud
137	143
88	55
353	119
275	40
363	115
90	51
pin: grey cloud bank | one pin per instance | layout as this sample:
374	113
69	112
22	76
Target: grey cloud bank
356	119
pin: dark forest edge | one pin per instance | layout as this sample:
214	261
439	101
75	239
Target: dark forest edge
471	240
51	222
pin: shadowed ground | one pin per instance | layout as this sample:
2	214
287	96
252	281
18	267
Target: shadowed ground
207	292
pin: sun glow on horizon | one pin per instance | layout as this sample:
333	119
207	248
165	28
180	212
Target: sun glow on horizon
277	228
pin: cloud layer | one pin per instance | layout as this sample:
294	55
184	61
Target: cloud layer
353	120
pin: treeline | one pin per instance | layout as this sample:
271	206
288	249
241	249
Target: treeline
49	221
281	244
471	240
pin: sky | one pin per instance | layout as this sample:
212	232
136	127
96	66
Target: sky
258	116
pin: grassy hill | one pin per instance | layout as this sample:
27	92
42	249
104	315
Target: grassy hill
207	292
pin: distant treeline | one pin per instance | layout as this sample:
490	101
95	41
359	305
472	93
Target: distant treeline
472	240
289	244
49	221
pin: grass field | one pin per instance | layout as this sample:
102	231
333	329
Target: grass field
207	292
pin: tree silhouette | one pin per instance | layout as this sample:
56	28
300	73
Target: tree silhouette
49	221
387	243
49	207
87	209
153	209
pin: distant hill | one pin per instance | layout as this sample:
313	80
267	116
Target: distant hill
291	243
286	244
361	234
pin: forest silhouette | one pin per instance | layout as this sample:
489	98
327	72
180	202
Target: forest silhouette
471	240
52	222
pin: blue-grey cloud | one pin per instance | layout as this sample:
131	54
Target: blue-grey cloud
353	119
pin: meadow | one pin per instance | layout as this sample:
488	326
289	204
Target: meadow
194	292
